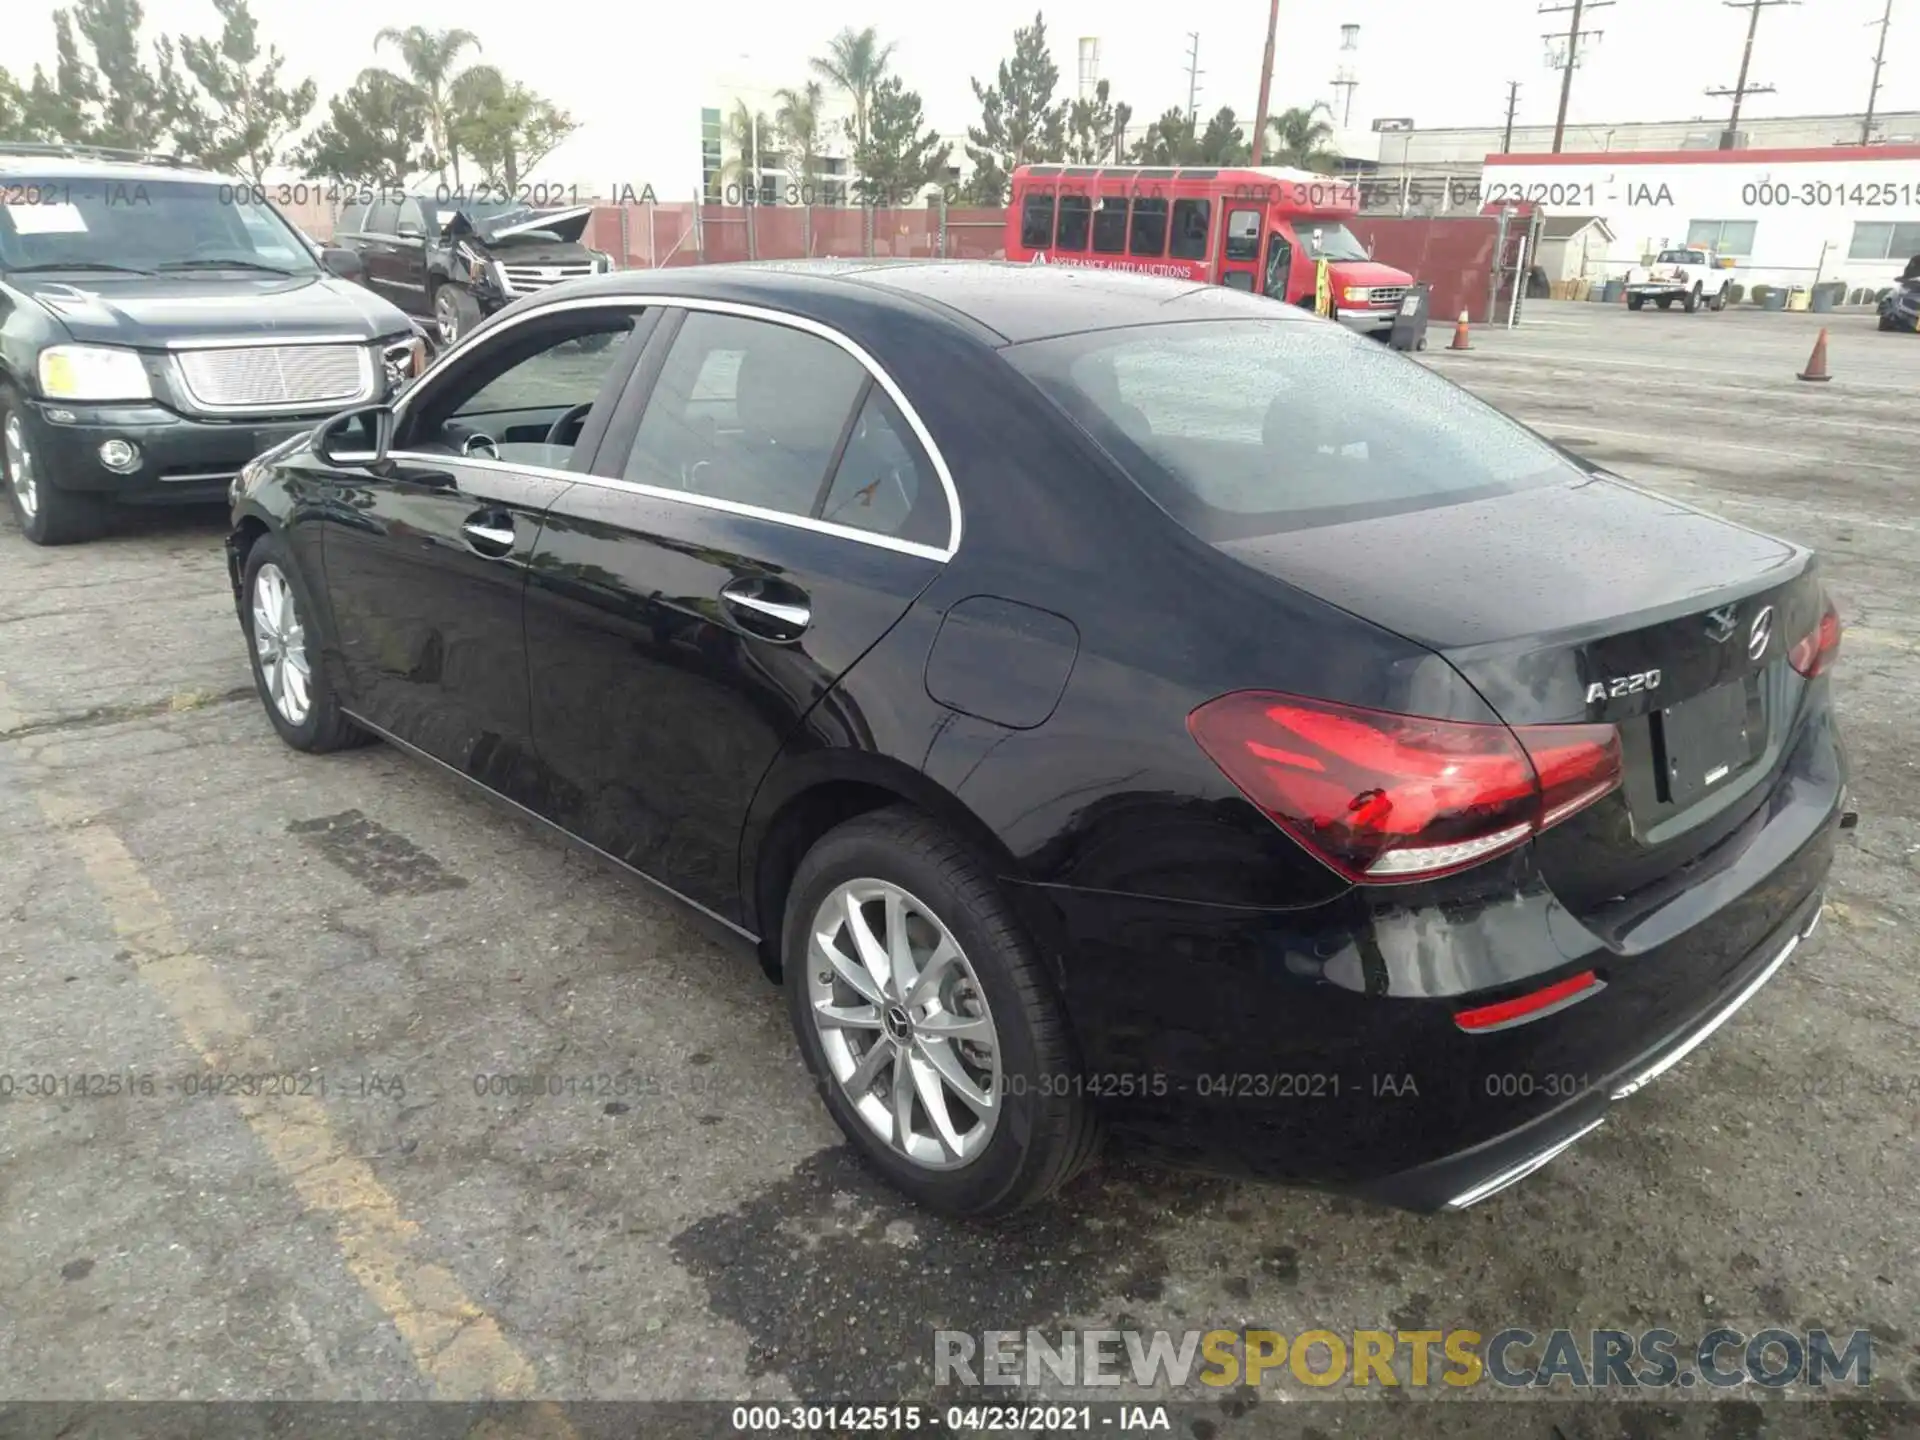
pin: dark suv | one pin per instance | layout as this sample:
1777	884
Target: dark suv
159	327
458	260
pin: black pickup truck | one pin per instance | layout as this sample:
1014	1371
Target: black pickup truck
459	260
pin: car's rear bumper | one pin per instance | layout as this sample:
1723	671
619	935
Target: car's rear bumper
1320	1045
179	460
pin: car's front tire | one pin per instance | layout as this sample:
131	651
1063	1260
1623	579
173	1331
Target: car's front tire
927	1021
455	313
1635	302
46	514
1692	300
277	614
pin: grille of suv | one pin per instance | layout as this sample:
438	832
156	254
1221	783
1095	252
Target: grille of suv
525	279
1387	294
277	376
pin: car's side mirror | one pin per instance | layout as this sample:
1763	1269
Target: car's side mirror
426	334
358	437
409	231
342	262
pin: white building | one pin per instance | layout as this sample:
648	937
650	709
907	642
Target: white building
1789	217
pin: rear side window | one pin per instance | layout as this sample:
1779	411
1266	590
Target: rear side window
1149	228
352	218
1191	221
1110	226
747	411
1247	427
885	482
1036	221
1076	219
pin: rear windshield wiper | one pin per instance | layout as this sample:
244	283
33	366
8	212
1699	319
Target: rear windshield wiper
75	265
224	265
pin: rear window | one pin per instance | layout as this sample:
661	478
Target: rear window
1682	257
1249	427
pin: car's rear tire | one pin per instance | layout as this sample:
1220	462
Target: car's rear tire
455	313
277	614
945	953
1720	300
1635	302
46	514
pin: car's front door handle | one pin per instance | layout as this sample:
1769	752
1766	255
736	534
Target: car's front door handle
781	614
490	533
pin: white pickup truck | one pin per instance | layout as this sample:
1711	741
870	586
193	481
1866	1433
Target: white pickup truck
1693	276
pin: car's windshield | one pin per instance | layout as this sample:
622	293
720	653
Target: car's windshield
1683	257
1328	239
1250	427
144	225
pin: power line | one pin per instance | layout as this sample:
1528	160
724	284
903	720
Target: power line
1513	104
1571	59
1885	22
1741	89
1193	78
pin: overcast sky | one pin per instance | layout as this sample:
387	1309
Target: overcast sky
636	76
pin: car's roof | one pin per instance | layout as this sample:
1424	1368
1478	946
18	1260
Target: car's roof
1000	302
53	164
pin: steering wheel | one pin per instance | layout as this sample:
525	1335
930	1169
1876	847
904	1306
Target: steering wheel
572	417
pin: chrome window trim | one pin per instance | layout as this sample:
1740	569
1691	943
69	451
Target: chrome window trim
813	327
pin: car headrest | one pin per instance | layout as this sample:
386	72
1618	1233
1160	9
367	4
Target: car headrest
784	393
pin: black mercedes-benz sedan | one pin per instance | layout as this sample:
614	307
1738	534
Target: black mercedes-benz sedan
1106	704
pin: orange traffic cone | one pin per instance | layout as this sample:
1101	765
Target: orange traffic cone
1460	334
1817	362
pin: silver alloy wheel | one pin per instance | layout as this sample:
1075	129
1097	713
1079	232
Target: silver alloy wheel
26	491
280	640
446	317
904	1024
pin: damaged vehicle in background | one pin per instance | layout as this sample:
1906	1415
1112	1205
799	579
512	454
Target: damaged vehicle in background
457	261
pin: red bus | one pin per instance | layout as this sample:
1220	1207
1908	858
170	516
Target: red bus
1262	229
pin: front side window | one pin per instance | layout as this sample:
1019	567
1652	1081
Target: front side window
506	398
145	226
384	218
747	411
1248	427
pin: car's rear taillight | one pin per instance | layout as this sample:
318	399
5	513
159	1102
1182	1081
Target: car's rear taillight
1814	652
1383	797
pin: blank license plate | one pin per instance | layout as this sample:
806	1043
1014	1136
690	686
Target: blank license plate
1709	739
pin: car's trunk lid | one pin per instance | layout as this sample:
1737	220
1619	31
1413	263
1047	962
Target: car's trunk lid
1593	601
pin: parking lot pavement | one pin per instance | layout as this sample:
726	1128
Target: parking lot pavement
185	898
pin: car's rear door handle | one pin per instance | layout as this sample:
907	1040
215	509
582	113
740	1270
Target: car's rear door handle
490	532
771	608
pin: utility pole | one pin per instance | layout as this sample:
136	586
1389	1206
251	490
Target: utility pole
1193	78
1266	84
1571	59
1885	22
1741	89
1513	104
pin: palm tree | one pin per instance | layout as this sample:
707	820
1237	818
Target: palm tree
1300	136
856	62
430	56
798	118
748	134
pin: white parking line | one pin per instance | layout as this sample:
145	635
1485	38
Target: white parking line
1692	371
1821	461
1905	432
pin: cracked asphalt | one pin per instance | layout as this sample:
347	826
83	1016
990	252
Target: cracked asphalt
185	903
